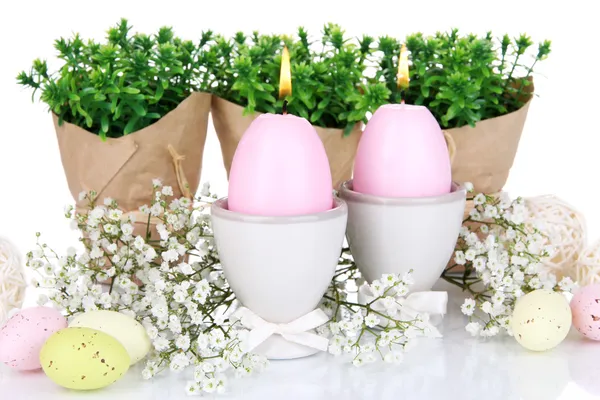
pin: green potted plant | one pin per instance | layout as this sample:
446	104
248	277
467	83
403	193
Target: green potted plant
478	88
328	89
126	111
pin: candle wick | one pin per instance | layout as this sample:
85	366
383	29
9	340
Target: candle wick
284	108
402	101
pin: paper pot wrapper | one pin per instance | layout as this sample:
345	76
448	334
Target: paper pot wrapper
123	168
485	153
230	125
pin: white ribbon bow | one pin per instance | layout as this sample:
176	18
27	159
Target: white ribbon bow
295	331
426	304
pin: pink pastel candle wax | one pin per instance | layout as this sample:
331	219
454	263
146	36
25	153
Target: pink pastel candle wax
280	168
402	153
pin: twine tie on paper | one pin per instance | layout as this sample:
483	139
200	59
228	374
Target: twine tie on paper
451	146
181	179
428	304
295	331
182	182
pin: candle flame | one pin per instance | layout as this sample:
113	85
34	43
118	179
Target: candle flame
403	77
285	75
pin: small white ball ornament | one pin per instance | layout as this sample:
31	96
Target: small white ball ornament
565	229
12	279
587	268
541	320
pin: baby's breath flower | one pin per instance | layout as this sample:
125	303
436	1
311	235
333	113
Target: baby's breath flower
473	328
468	307
173	300
504	255
459	257
371	320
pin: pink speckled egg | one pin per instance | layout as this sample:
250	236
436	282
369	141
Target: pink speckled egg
280	168
23	336
585	307
402	153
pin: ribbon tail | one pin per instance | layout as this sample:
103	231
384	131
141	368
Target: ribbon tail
260	330
433	331
257	336
307	339
428	302
312	320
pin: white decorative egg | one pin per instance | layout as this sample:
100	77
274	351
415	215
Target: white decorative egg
541	320
130	333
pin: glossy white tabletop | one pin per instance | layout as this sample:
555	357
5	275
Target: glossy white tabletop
455	367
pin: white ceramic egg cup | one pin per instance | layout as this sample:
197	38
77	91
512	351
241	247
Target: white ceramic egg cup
394	235
279	267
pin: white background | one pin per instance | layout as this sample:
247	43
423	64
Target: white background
558	152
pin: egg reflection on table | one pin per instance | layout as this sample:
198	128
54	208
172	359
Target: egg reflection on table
539	376
541	320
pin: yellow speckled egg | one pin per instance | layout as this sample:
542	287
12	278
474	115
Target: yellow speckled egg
541	320
124	328
83	359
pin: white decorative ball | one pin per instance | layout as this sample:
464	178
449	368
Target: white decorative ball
12	279
565	229
587	268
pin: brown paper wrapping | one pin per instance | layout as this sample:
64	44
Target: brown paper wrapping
230	124
485	153
123	168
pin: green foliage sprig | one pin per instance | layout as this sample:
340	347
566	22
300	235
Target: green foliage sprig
463	79
123	85
328	82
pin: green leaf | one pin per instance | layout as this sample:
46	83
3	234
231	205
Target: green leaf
452	112
324	103
112	89
130	90
139	109
88	90
348	129
130	127
118	110
104	124
160	90
316	115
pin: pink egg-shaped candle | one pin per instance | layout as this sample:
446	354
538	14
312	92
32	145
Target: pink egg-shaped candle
24	334
402	153
280	168
585	308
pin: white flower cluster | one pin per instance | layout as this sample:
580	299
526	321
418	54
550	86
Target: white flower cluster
169	280
499	255
373	330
